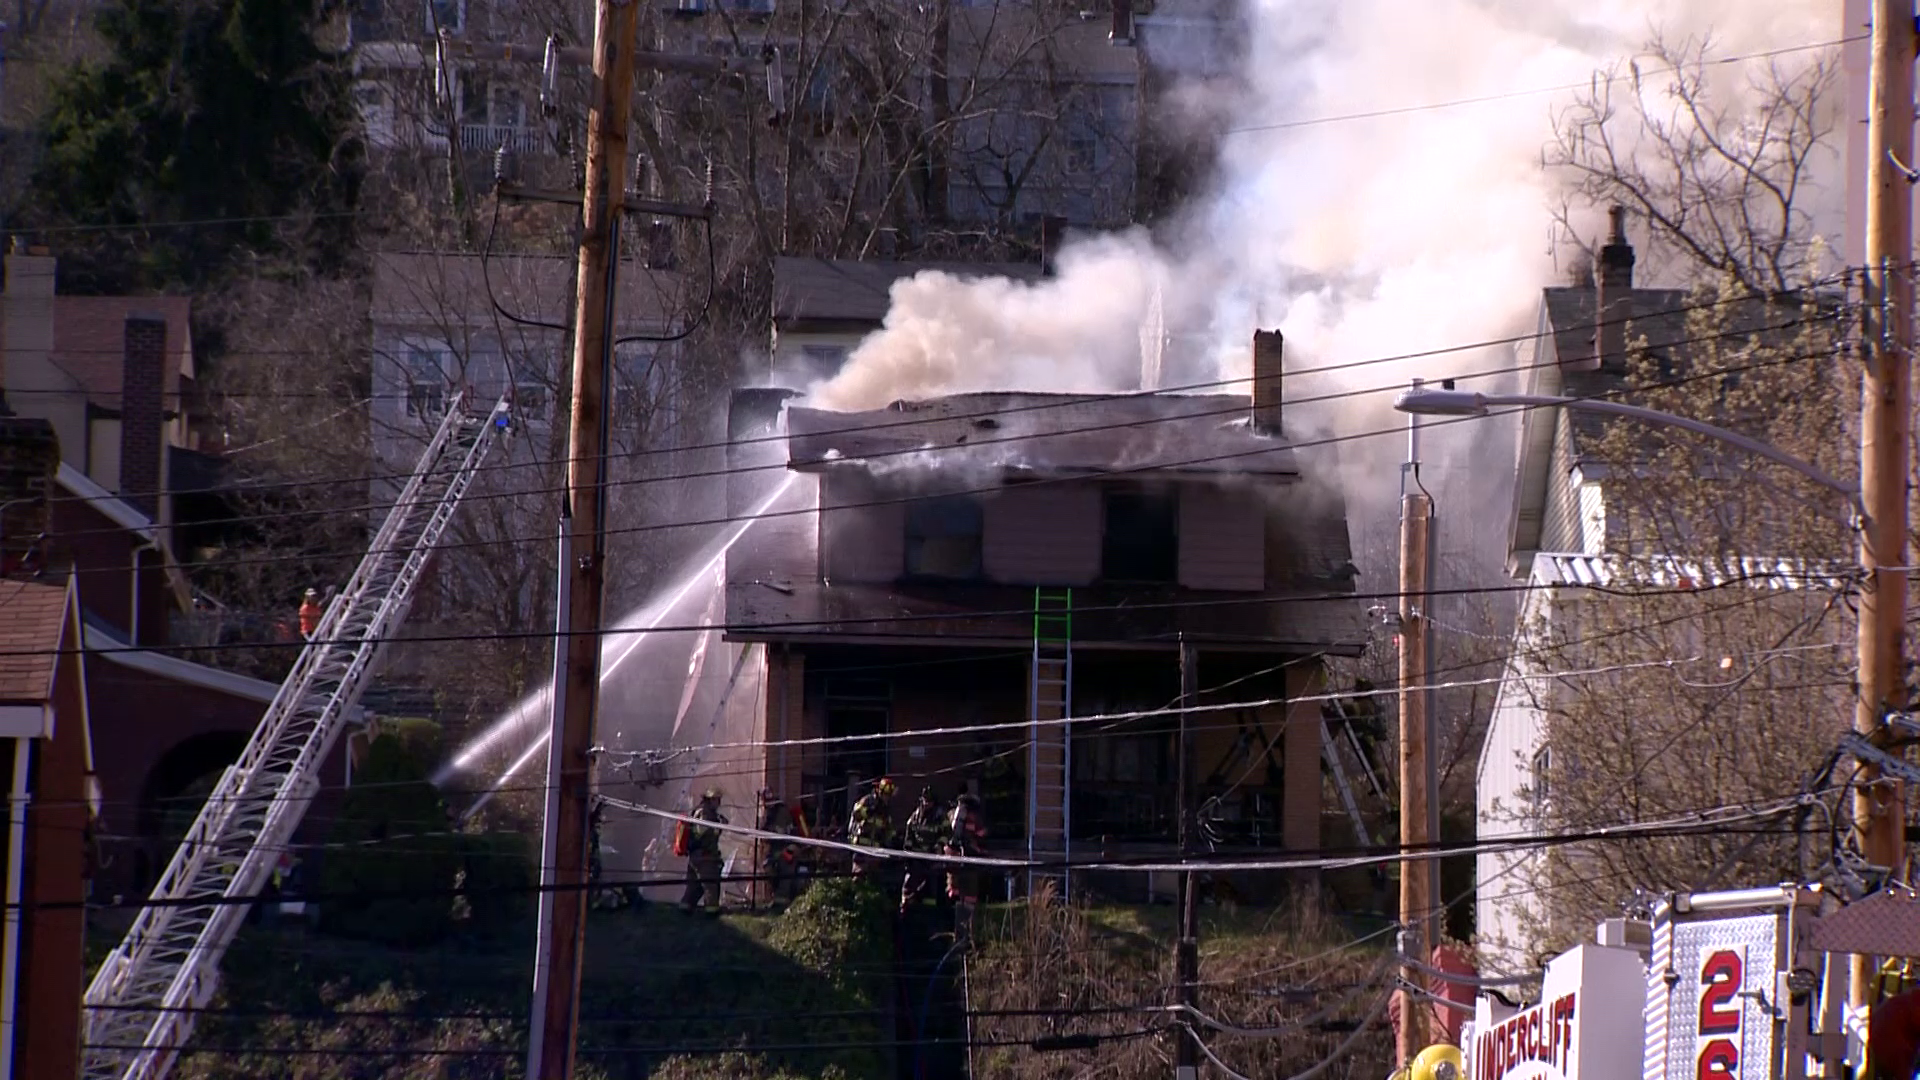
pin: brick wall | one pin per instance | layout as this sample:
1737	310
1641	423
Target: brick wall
142	413
29	460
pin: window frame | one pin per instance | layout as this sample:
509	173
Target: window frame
920	513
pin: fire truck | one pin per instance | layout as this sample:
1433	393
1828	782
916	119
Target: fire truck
1743	985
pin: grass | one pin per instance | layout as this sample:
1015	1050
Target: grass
665	995
803	996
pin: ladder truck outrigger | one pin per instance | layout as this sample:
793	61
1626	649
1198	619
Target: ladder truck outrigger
140	1007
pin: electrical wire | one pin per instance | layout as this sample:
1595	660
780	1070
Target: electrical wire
972	446
1069	401
1403	110
1717	820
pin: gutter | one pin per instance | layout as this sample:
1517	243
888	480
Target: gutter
17	799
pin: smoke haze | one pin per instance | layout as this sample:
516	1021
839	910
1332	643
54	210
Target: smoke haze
1365	237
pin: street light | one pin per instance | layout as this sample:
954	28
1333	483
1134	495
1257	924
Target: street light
1467	403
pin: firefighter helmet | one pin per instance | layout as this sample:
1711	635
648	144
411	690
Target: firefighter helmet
1438	1062
712	794
883	787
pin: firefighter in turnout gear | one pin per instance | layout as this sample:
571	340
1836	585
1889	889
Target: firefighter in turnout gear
701	846
781	859
310	613
871	823
925	833
966	836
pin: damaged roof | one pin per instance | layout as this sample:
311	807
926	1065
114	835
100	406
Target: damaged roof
1032	434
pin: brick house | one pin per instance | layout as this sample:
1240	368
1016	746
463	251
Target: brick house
894	591
93	395
46	754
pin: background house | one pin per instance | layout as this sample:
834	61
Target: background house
46	848
92	513
1664	642
822	308
1634	594
114	375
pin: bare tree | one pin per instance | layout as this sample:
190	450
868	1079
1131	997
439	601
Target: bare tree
1720	173
1712	672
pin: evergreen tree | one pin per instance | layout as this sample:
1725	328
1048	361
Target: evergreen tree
201	110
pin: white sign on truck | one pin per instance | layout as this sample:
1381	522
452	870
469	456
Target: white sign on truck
1586	1027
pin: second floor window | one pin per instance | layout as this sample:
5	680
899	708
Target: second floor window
448	15
943	538
1141	541
426	384
532	402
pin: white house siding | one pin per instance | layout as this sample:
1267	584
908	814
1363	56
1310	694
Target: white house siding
1560	524
1503	794
1043	536
1222	539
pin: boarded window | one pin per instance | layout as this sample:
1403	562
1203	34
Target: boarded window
943	538
1142	537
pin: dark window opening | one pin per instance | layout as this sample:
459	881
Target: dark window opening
856	708
1142	539
943	538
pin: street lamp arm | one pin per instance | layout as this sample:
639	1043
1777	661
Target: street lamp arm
1463	403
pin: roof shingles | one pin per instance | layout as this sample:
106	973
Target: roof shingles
32	620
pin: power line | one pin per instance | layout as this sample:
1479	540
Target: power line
899	500
1069	401
1717	820
1403	110
971	446
185	223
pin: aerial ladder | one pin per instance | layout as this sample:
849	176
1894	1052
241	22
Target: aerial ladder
141	1006
1050	742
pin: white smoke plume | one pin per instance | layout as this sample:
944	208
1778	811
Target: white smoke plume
945	333
1421	226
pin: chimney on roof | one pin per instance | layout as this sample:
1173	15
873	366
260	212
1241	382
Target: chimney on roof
1122	31
26	315
1613	296
142	412
1265	416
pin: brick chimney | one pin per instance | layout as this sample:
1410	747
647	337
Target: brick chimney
142	413
1613	297
1265	416
1122	31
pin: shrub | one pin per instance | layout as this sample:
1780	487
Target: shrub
392	860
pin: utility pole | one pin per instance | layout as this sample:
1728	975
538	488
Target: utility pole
563	871
1187	952
1416	794
1886	417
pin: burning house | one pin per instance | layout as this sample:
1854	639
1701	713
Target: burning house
940	578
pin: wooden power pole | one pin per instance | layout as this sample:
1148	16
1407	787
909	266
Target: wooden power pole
1886	417
1187	951
1416	796
563	896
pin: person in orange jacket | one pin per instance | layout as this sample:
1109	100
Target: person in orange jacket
310	614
